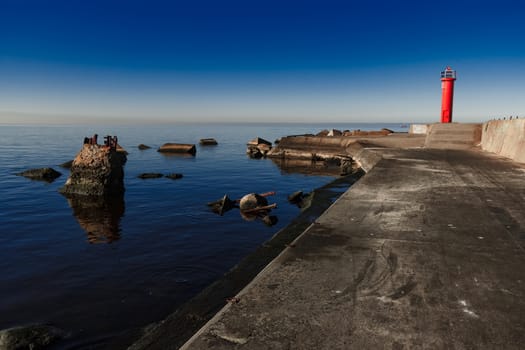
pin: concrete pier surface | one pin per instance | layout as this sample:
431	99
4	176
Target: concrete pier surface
426	251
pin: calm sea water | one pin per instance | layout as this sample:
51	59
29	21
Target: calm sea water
97	269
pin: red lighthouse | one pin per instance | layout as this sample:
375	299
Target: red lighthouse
448	76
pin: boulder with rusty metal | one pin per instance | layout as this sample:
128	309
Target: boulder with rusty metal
252	201
96	170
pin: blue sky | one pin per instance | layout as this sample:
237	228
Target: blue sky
253	61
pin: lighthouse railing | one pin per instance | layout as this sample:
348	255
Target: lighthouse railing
448	74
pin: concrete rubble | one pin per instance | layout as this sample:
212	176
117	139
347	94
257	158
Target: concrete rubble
182	148
97	170
258	147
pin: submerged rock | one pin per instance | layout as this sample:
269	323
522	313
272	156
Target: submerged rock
300	199
30	337
96	170
44	174
270	220
143	147
174	176
150	176
295	197
222	205
208	142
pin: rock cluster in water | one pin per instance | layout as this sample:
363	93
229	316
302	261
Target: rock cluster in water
258	148
96	170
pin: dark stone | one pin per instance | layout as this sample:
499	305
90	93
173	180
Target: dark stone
254	152
269	220
44	174
30	337
348	166
258	148
208	142
150	176
295	197
174	176
222	205
143	147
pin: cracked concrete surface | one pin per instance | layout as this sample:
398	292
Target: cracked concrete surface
426	251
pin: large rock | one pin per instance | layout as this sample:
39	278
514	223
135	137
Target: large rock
29	337
178	148
44	174
208	142
252	201
96	170
258	147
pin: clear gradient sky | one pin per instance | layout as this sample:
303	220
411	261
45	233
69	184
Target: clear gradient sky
255	61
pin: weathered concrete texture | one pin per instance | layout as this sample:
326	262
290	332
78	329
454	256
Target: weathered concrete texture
506	138
453	136
424	252
360	149
312	147
178	148
172	332
96	170
419	129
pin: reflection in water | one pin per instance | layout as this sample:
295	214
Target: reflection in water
99	216
309	167
263	215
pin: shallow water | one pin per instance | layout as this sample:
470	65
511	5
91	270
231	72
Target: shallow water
97	269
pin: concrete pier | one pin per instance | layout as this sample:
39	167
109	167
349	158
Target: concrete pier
426	251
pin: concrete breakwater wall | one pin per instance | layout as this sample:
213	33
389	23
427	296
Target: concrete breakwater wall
505	137
307	147
359	149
